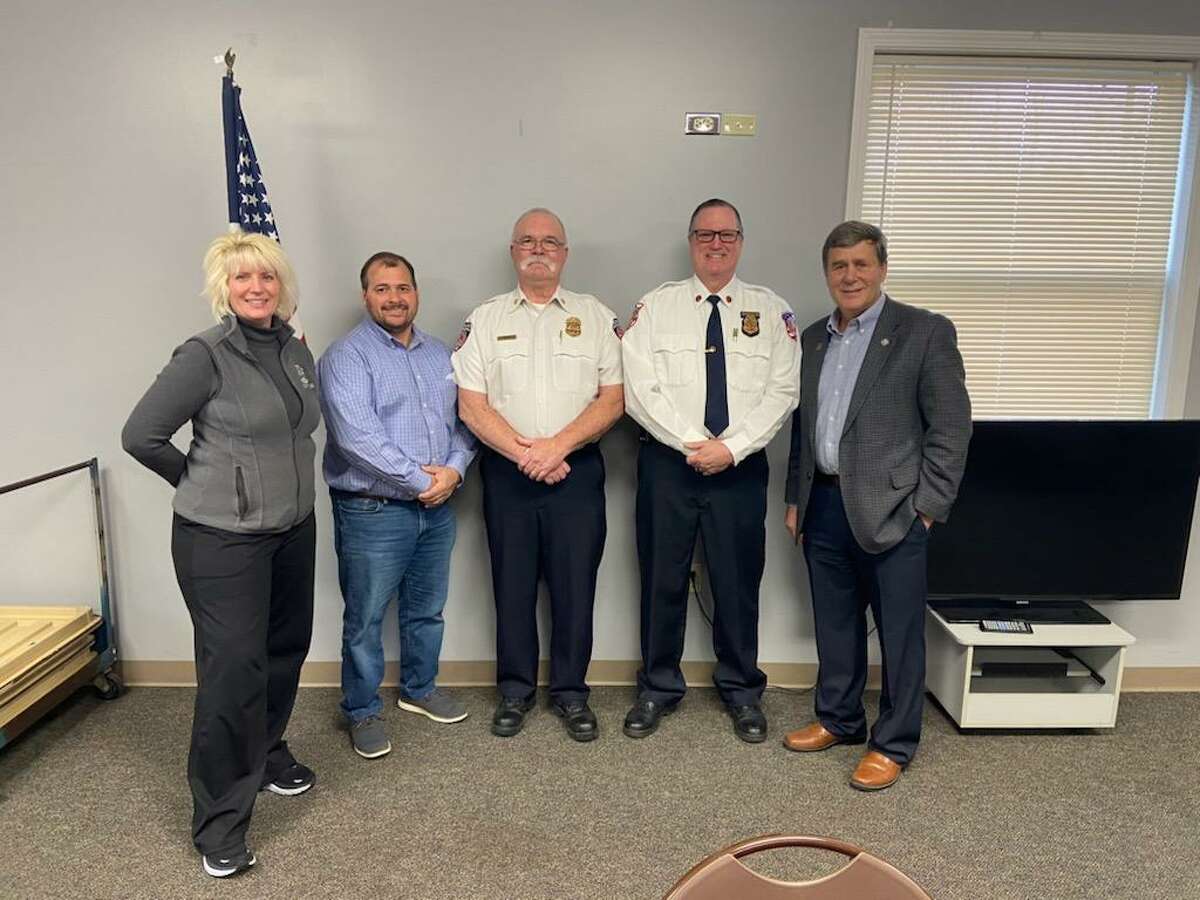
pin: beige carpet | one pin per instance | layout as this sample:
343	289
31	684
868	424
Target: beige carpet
93	803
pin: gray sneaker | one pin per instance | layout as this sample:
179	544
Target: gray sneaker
437	705
370	738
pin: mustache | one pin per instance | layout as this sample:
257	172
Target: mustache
542	260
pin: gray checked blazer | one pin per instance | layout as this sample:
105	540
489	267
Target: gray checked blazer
904	445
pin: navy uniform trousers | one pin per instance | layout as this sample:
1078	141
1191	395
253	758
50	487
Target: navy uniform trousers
674	502
552	530
845	579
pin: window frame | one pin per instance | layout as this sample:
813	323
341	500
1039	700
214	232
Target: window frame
1181	295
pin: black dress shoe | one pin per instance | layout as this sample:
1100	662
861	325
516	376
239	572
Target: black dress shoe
510	715
578	719
749	723
642	721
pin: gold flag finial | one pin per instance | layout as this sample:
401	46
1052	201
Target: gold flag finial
230	56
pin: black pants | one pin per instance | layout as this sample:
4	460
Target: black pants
845	579
251	601
728	510
556	531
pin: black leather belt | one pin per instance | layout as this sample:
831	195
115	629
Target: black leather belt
354	495
820	477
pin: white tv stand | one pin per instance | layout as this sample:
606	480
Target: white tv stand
958	655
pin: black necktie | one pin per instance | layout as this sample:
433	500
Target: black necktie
716	402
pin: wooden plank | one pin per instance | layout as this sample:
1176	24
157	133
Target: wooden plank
42	667
10	730
29	634
45	685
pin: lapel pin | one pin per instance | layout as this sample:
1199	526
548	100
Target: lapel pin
884	342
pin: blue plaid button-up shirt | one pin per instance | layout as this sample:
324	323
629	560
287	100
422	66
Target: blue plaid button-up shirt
390	409
839	373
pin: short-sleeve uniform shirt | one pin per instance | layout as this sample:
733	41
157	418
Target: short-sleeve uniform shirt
540	366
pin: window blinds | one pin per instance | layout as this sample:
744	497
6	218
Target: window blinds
1031	201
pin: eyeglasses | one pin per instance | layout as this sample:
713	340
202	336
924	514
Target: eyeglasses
549	244
705	235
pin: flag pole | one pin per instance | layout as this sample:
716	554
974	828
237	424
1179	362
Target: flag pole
229	118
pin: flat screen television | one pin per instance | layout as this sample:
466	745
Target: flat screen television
1052	514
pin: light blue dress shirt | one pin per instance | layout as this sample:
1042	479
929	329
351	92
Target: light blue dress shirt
390	409
839	373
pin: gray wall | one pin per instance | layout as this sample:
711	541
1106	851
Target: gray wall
423	128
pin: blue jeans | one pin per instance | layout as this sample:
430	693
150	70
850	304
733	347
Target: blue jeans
396	548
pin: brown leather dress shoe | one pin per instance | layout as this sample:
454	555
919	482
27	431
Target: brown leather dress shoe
875	772
815	736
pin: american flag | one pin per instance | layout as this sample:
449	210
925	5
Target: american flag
249	208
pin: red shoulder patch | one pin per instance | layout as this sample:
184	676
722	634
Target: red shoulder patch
633	317
789	322
463	335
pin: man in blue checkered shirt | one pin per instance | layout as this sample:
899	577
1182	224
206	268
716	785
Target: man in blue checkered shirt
396	451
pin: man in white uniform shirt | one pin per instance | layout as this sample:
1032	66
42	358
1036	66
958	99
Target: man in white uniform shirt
711	373
539	382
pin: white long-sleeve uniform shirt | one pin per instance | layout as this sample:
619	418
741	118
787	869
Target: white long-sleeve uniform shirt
663	351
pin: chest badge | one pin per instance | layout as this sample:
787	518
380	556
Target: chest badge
750	323
573	327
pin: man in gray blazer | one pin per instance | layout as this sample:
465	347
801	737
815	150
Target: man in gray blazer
879	443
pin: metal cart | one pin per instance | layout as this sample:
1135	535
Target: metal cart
99	670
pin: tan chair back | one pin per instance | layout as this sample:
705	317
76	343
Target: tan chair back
722	876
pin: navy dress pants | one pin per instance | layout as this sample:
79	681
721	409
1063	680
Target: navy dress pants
728	510
555	531
845	579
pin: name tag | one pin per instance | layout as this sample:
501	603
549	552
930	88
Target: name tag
506	337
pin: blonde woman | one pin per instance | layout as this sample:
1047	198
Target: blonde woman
243	534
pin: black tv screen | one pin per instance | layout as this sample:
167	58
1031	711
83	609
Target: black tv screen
1070	510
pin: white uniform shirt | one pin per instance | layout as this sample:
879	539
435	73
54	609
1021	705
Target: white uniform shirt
539	366
665	377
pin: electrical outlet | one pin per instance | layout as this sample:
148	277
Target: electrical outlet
702	123
740	125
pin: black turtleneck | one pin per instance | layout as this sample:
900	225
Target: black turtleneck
265	344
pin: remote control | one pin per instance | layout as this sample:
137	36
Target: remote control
1005	626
